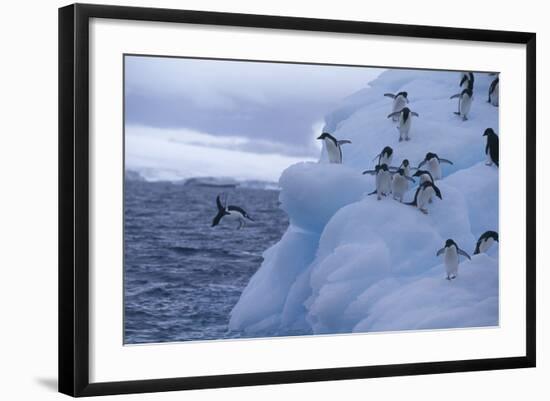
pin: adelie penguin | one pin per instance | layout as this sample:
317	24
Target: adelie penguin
384	157
451	252
423	195
400	100
464	103
230	212
493	92
491	147
383	180
405	117
400	184
433	162
485	241
333	147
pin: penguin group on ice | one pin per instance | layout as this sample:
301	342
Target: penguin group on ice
395	180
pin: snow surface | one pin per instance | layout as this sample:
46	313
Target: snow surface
351	263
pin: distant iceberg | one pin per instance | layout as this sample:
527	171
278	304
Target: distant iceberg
350	263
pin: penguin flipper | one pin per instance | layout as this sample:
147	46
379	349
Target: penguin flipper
219	203
414	113
410	179
455	96
439	252
371	172
445	161
217	219
372	193
389	95
343	141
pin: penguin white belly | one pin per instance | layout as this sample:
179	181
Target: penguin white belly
486	244
398	103
424	197
404	128
434	168
451	261
465	105
386	159
333	151
494	96
385	183
399	186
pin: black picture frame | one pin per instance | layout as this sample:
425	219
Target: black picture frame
74	198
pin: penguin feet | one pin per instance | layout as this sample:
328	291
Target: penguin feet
425	211
449	278
407	139
457	113
378	197
400	139
488	163
464	118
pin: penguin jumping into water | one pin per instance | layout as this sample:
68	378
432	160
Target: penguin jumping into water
451	251
400	184
232	212
383	180
434	164
384	157
464	103
333	146
423	194
404	122
491	148
400	100
485	241
493	92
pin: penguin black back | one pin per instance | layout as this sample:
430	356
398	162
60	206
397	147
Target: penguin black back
491	148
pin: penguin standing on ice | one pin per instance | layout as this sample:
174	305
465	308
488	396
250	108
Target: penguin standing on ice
485	241
384	157
423	195
493	92
451	251
464	103
383	180
404	122
434	164
400	100
333	147
491	148
230	212
400	184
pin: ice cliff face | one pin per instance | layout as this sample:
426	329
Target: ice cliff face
351	263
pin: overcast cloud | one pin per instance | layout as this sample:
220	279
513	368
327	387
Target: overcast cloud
251	107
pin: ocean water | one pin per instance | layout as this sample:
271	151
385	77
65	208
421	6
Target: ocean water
181	276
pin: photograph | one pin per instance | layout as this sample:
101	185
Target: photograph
279	199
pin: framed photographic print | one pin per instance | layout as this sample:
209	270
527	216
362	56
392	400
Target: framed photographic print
250	199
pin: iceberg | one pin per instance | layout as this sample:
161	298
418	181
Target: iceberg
350	263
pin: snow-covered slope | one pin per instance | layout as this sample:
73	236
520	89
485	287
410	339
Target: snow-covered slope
351	263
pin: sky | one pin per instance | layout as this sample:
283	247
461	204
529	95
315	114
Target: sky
246	120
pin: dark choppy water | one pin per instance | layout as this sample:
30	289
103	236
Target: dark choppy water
182	277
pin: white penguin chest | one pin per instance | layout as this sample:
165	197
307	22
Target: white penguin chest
399	184
435	168
486	244
424	196
333	151
451	259
398	103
